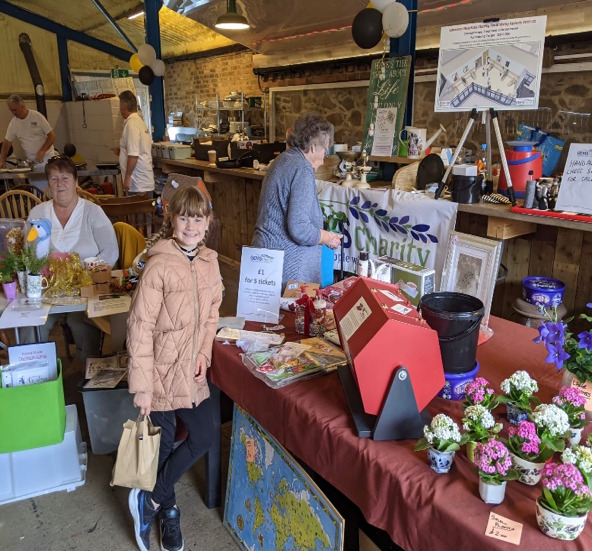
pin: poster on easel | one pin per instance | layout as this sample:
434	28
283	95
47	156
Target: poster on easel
385	109
491	65
575	192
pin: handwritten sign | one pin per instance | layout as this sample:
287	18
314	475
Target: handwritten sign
586	389
387	95
260	284
502	528
575	192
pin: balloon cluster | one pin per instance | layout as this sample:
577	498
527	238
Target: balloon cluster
146	64
388	16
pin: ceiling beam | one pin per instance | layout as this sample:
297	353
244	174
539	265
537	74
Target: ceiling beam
63	31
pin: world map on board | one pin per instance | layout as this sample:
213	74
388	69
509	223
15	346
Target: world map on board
271	503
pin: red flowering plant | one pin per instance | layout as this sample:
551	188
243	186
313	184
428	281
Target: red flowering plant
564	490
564	349
572	401
493	462
479	393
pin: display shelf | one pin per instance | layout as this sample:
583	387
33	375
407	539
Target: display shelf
218	107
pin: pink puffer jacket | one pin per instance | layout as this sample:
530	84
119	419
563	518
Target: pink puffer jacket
173	318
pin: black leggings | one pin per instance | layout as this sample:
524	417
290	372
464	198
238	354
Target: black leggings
172	465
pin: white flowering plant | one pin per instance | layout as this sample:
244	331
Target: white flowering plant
442	434
519	390
552	427
479	423
581	457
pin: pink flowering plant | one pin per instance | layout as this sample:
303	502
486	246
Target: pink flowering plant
566	350
524	441
564	490
572	401
581	457
478	392
493	462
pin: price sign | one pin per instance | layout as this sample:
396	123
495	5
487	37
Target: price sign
575	192
502	528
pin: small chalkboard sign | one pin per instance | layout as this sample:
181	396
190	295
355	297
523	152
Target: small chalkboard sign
575	192
387	96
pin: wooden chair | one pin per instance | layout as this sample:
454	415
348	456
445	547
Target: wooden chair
31	189
17	204
81	193
140	214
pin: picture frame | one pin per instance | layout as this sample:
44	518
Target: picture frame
471	267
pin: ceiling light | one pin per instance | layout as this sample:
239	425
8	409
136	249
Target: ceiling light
136	15
231	20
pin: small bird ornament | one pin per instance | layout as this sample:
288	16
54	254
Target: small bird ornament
40	231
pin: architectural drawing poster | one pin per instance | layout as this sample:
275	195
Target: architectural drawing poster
491	65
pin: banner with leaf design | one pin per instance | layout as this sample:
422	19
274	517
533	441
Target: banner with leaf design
399	224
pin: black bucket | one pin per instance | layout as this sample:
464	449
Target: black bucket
466	189
456	318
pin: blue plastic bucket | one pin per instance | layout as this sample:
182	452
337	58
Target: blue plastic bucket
456	383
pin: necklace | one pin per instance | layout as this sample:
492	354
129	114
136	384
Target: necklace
187	251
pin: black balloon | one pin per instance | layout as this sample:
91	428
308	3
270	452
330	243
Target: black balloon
146	75
367	28
70	149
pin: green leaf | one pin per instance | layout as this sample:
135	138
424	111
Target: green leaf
421	445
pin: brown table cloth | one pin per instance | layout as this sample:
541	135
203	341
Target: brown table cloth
391	484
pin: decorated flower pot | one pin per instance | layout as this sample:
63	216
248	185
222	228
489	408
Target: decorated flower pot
492	493
9	290
557	526
470	449
22	281
440	461
530	472
515	414
575	435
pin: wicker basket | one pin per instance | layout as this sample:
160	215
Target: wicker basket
405	178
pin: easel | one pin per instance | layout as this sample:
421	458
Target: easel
491	117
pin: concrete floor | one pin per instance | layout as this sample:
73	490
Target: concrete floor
95	516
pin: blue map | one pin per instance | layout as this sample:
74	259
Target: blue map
271	503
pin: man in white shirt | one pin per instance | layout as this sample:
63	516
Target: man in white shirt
135	148
32	130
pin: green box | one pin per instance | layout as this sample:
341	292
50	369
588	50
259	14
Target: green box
32	416
413	280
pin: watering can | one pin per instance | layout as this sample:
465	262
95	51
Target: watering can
436	134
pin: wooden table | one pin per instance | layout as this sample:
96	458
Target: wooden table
390	483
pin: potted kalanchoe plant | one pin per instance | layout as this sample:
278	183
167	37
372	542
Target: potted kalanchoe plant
573	353
8	276
572	400
581	457
518	395
442	439
478	392
562	509
479	426
494	466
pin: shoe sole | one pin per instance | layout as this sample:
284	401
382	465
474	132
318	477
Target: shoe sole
165	549
133	507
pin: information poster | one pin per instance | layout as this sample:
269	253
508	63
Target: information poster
575	192
491	65
387	96
260	284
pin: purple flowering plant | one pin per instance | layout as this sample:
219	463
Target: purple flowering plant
479	393
564	490
565	349
572	401
494	463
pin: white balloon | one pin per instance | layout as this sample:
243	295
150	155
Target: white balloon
380	5
395	20
158	68
147	54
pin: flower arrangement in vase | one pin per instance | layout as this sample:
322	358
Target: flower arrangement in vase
518	395
494	466
442	439
478	392
562	509
564	349
581	457
479	426
572	400
31	262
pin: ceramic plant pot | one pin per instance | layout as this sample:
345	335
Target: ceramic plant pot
492	493
440	461
557	526
9	290
530	472
515	414
575	435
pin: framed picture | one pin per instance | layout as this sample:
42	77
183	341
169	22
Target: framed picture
471	267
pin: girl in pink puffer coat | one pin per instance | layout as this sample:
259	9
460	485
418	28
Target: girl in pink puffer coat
170	330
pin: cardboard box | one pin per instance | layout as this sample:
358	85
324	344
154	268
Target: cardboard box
381	330
91	291
464	170
413	280
101	274
294	289
33	415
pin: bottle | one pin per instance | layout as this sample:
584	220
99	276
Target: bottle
363	263
530	191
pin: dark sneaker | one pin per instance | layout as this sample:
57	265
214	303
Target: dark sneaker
143	514
170	530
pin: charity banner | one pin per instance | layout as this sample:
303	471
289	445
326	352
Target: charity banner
399	224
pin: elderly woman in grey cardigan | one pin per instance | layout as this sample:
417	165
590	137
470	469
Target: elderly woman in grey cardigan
289	216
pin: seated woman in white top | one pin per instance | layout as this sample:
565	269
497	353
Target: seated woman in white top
79	226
